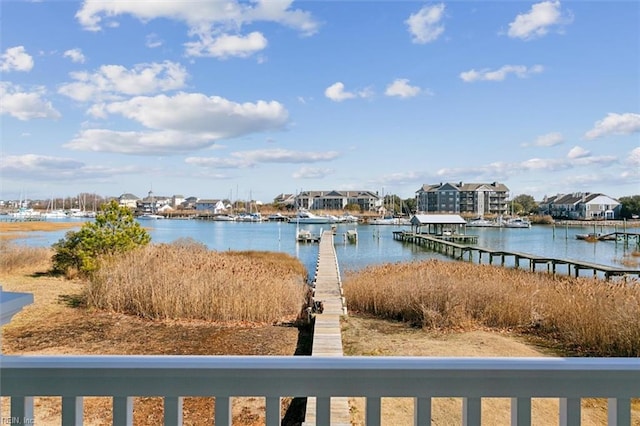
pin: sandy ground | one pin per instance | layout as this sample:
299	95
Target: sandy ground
54	324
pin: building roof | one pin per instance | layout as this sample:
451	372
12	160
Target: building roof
463	186
437	219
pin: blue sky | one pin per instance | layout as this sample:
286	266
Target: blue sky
219	99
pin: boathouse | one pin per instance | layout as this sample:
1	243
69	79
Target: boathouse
438	224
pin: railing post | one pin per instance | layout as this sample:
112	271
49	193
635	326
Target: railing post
619	412
223	411
323	410
520	412
569	411
273	411
122	411
373	411
173	411
72	410
22	409
471	411
422	411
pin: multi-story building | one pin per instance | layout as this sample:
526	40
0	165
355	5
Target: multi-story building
581	205
338	200
473	198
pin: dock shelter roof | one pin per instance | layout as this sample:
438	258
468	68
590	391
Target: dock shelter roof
437	219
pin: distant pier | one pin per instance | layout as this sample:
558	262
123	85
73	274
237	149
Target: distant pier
467	252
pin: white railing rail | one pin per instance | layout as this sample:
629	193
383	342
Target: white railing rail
224	377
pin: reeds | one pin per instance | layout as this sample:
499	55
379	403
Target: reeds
14	257
188	281
590	316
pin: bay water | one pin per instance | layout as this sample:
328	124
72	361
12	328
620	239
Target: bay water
375	244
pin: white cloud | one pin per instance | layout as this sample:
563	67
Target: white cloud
336	93
180	123
42	168
615	124
25	105
538	21
519	71
226	46
153	41
401	88
425	25
578	152
547	140
209	22
112	81
75	55
16	59
634	157
243	159
312	173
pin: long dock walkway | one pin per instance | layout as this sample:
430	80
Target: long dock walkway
458	251
327	339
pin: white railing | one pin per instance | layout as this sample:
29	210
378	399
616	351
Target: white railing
224	377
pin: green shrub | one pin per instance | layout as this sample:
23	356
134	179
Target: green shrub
114	231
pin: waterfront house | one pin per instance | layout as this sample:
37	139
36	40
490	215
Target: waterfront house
286	200
581	206
337	200
472	198
210	206
128	200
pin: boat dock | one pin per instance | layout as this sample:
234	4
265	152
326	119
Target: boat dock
461	251
327	338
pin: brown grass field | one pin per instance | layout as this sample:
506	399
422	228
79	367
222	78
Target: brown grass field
455	323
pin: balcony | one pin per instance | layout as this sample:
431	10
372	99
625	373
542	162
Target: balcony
223	377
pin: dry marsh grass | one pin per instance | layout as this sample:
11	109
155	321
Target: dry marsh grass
188	281
15	257
588	316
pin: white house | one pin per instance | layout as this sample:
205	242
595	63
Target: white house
211	206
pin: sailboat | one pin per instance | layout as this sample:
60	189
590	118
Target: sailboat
152	215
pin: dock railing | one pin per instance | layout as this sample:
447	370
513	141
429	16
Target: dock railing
224	377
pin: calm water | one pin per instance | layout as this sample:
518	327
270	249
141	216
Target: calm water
375	243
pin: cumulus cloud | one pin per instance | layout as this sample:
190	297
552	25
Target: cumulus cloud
312	173
180	123
634	157
401	88
25	105
337	93
75	55
425	25
226	45
615	124
547	140
112	81
538	21
216	25
500	74
578	152
16	59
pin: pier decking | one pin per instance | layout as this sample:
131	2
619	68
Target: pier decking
327	338
460	251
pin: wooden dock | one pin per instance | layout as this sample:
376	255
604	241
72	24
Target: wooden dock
327	337
466	252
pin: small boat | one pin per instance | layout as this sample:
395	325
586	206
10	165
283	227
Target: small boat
307	217
596	236
223	218
517	223
482	223
305	236
351	235
150	216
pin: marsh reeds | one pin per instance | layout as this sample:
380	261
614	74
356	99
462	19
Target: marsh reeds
14	257
188	281
587	316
